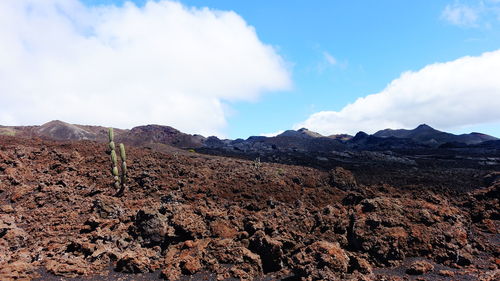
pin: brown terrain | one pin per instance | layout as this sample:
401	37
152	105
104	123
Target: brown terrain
190	216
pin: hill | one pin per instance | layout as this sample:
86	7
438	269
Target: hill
428	135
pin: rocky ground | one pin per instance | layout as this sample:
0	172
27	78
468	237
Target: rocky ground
188	216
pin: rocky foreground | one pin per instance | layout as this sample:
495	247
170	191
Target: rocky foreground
215	218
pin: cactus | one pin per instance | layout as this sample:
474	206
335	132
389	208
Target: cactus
123	156
120	180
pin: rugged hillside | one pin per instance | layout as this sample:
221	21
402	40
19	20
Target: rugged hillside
301	147
291	141
156	134
148	135
214	218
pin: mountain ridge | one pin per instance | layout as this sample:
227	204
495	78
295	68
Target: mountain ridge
302	139
428	135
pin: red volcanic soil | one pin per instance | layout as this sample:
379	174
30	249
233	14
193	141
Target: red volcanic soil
187	216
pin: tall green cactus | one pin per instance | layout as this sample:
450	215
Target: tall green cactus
120	180
123	156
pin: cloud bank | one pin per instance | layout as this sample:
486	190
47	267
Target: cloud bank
447	95
122	66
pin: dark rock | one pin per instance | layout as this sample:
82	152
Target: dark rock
152	227
108	207
269	250
342	178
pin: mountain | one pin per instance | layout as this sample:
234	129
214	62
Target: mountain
301	133
294	140
420	147
364	141
59	130
428	135
341	137
138	136
152	134
290	141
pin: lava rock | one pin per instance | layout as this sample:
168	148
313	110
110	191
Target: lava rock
342	178
419	267
321	260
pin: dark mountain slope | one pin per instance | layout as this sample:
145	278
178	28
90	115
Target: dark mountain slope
428	135
151	134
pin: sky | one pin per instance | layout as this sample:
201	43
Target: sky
241	68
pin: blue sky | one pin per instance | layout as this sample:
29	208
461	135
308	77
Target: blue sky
373	42
338	51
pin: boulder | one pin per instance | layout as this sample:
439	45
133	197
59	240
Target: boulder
419	267
342	179
321	260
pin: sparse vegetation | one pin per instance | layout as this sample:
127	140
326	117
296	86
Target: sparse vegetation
257	164
7	132
280	172
120	180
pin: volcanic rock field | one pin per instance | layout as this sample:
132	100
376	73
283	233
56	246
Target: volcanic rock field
192	216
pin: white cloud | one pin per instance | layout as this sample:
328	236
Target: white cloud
475	13
329	58
123	66
447	95
272	134
326	62
461	14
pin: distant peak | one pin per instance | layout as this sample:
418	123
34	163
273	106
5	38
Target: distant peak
53	122
361	134
309	133
302	132
152	127
424	127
